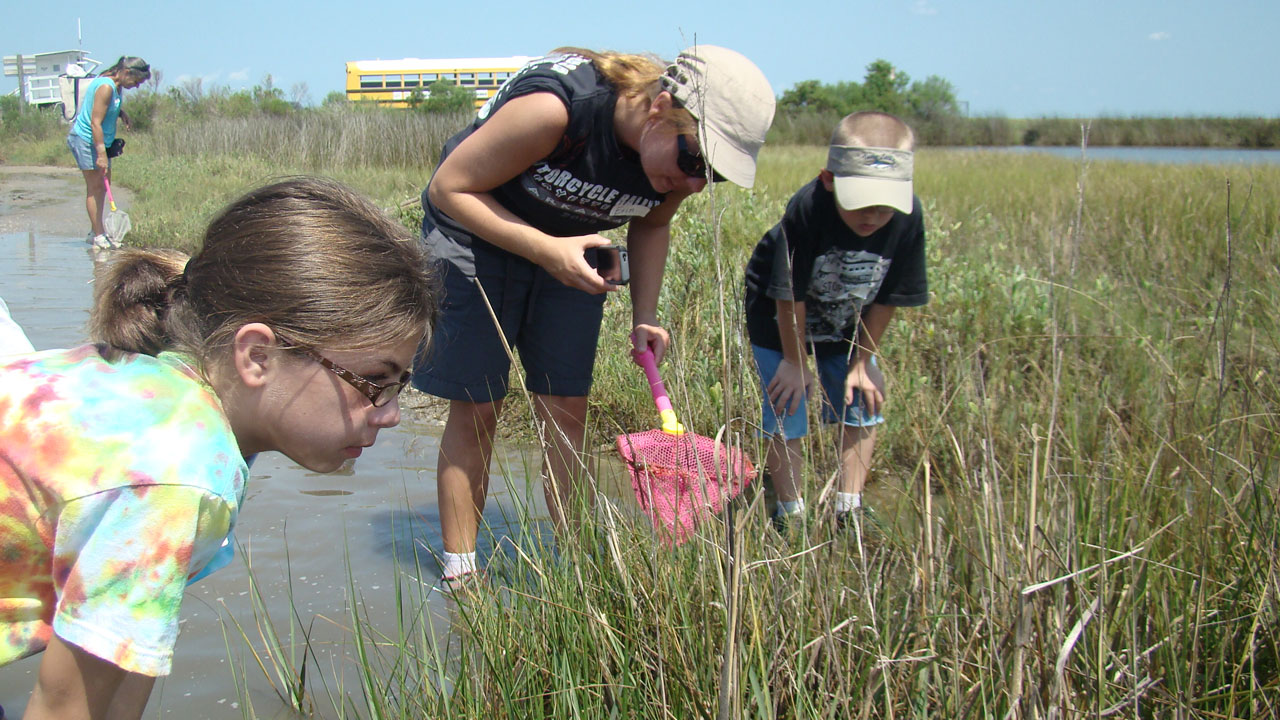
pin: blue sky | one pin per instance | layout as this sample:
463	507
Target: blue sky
1019	59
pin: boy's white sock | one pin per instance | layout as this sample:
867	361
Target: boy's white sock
848	502
791	507
458	564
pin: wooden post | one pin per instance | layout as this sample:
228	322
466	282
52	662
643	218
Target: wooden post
22	85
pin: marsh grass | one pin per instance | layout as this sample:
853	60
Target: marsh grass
1078	471
1080	462
318	139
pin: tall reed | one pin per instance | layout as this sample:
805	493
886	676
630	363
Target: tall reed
1083	451
1079	475
318	139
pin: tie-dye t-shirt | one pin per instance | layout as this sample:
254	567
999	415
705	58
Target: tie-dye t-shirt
118	482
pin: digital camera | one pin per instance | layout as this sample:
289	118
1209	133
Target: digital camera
611	263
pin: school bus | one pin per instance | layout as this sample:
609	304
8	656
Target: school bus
392	82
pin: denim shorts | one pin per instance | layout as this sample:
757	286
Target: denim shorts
554	328
84	152
832	370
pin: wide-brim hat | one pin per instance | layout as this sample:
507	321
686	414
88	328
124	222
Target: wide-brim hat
733	103
867	176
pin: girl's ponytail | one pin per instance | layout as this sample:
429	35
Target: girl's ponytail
133	295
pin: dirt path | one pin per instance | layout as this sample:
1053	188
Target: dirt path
47	200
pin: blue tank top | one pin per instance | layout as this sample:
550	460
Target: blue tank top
83	125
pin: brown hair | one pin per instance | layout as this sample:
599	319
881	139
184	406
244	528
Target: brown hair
308	257
129	64
634	75
872	128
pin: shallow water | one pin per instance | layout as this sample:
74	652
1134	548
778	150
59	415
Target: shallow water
355	530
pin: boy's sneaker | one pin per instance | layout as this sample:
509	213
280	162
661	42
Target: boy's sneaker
102	242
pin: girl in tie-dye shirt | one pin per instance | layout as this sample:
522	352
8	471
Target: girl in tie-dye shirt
102	476
122	463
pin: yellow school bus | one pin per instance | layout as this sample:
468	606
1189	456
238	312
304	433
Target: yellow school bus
391	82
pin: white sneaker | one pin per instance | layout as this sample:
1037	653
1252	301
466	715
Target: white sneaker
102	242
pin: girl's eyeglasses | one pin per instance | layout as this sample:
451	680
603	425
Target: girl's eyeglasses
691	163
379	395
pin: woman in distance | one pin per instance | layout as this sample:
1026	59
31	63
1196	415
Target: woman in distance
92	138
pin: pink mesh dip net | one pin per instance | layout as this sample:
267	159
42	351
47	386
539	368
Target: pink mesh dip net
681	480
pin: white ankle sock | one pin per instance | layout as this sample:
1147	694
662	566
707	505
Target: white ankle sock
846	502
458	564
790	507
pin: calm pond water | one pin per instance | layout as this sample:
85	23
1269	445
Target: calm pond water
329	540
1155	155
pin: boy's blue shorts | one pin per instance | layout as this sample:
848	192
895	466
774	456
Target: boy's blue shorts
84	152
552	326
832	370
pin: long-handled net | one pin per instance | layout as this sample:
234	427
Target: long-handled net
116	223
680	478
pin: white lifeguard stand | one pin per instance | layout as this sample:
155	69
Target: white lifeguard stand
52	79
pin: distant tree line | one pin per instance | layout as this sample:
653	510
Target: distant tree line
809	110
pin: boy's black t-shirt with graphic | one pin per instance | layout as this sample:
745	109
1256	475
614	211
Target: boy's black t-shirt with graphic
586	185
813	257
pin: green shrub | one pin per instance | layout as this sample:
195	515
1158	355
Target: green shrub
444	96
26	123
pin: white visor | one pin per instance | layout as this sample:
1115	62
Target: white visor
871	176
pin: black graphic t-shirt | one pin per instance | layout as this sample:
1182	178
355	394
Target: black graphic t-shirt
813	257
586	185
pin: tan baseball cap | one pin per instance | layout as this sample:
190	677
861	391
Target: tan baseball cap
732	102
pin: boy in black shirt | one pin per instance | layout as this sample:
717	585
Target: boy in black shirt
826	280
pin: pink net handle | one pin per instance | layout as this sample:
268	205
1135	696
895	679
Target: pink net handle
644	358
111	199
646	361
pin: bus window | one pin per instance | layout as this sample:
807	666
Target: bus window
370	81
429	78
449	76
485	82
411	80
393	81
